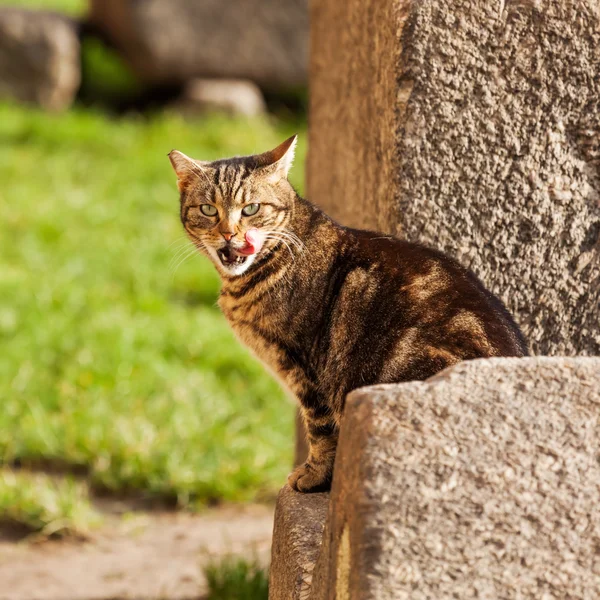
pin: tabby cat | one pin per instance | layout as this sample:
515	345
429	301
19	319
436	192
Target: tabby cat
327	308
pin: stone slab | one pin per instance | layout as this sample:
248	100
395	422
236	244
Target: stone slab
482	482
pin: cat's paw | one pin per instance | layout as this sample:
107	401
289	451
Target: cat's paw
310	478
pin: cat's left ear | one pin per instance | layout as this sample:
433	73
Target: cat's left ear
185	168
279	160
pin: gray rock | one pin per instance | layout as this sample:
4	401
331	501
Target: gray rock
233	96
472	126
481	482
39	58
171	41
297	534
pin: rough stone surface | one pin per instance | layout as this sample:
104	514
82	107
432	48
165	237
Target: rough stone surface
297	534
473	126
39	58
481	482
233	96
351	170
171	41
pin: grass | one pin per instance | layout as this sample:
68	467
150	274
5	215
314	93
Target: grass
115	360
237	579
39	503
72	7
110	360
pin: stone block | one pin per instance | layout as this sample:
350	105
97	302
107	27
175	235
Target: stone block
39	58
231	96
171	41
482	482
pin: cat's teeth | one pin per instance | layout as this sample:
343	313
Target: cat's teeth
230	260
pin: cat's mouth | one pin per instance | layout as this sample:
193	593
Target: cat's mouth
228	256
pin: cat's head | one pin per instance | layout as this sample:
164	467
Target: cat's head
236	209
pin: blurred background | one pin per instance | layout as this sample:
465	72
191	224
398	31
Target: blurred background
119	378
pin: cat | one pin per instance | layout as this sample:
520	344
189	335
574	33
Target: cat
329	309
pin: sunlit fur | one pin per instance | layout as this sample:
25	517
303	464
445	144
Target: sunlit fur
328	308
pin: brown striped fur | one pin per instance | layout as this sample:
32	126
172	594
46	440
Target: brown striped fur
330	309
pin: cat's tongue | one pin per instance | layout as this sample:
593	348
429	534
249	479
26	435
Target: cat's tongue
253	243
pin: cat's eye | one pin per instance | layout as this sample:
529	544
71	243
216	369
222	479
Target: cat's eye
250	209
208	210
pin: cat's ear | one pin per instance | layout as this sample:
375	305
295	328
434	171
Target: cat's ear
279	160
186	168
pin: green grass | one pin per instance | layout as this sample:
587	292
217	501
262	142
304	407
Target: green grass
41	504
237	579
109	360
72	7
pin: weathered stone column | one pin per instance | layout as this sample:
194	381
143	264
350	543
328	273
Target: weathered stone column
297	534
473	126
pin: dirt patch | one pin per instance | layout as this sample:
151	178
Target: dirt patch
140	555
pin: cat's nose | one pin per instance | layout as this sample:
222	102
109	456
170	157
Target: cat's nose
227	235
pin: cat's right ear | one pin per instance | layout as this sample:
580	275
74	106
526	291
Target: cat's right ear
185	168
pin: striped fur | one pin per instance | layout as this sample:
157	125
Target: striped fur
330	309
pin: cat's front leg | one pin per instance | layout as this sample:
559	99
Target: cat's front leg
316	473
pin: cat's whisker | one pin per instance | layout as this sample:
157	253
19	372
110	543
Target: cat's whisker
292	235
184	252
287	233
183	244
176	240
298	245
272	237
289	250
176	251
180	252
294	242
291	241
276	236
174	272
192	252
195	239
